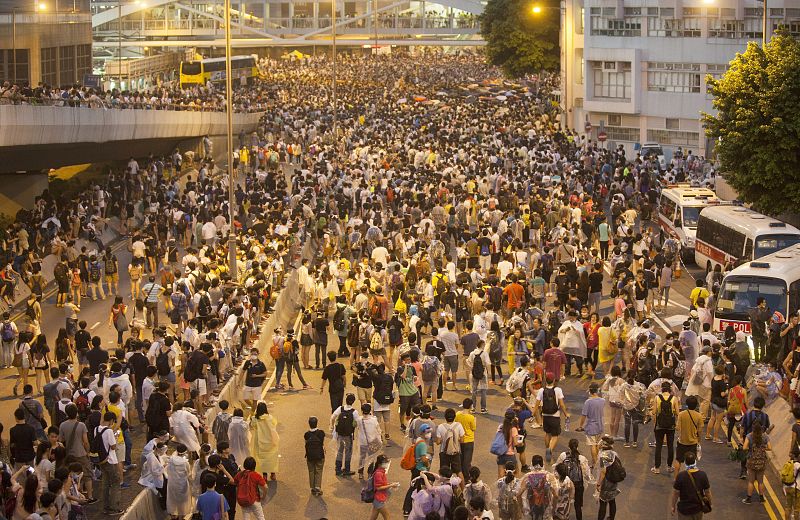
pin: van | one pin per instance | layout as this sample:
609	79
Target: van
678	212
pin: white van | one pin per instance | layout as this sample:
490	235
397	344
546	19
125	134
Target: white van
678	212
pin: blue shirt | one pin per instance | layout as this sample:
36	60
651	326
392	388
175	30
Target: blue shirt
593	411
208	504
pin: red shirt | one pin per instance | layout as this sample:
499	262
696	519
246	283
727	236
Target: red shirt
379	478
554	359
515	294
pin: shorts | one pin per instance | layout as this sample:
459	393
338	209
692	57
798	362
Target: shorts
377	504
792	499
407	402
718	409
551	425
753	475
682	449
200	386
63	287
364	394
112	278
169	378
451	364
521	447
595	299
593	440
462	315
502	460
251	393
639	305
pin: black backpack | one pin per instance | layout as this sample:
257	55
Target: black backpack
98	453
549	401
162	363
665	418
193	369
478	370
204	306
338	319
616	471
383	390
346	424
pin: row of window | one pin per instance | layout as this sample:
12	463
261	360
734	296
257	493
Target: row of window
669	12
59	65
668	137
631	26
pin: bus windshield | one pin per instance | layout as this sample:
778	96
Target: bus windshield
690	216
190	68
739	294
767	244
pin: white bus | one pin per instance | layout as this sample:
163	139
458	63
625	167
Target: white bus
678	210
776	277
738	234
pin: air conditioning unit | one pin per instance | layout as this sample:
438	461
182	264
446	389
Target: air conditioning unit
611	66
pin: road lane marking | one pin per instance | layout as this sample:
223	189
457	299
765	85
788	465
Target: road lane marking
95	326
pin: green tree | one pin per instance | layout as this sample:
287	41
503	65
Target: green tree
757	124
519	41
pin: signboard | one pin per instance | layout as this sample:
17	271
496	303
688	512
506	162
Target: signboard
602	137
91	80
738	326
588	127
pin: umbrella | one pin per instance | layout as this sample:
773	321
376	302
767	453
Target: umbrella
420	98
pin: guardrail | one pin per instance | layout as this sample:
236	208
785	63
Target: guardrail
111	105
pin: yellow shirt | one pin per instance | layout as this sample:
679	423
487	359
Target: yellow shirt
698	292
689	424
116	411
467	421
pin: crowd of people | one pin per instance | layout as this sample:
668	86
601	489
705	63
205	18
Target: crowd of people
461	240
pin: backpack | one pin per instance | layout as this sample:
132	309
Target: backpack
788	474
98	452
409	460
441	285
60	271
485	249
345	424
62	351
549	401
462	300
275	351
516	380
734	404
478	370
30	312
450	445
83	405
162	363
368	491
94	271
193	369
757	458
616	473
429	369
574	471
495	295
246	490
383	390
59	416
338	319
698	374
499	444
204	306
7	332
375	308
665	418
538	493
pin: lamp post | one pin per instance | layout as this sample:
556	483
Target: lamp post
232	267
538	9
335	100
764	28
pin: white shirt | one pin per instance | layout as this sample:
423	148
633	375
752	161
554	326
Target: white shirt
368	429
110	442
559	398
443	429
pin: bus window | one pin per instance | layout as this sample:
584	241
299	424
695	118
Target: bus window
767	244
690	216
748	250
190	68
667	208
737	297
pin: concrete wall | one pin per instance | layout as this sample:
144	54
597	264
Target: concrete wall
19	191
26	125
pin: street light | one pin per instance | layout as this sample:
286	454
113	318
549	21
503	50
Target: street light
536	9
232	266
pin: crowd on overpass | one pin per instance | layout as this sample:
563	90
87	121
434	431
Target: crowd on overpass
463	242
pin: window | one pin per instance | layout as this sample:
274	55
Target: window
66	62
581	64
615	84
7	65
691	11
792	12
776	12
672	123
667	208
720	236
728	12
603	26
671	28
622	133
579	102
49	66
731	29
754	11
580	21
712	11
674	137
716	71
633	11
84	60
673	77
753	27
614	119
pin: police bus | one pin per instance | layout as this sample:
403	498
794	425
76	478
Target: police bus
735	234
678	210
776	277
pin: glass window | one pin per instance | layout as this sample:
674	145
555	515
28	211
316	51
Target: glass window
622	133
767	244
66	62
690	215
611	84
49	65
614	119
739	294
667	208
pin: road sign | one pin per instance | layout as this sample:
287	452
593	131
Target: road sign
91	80
602	137
588	127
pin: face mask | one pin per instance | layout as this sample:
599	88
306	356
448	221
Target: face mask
254	358
77	477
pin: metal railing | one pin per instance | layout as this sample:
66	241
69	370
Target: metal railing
122	105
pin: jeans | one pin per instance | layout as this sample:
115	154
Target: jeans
296	365
315	473
661	435
612	510
151	313
320	351
8	353
475	393
255	510
759	347
630	422
337	398
578	364
139	404
110	491
126	436
344	452
604	249
280	365
467	449
343	350
578	500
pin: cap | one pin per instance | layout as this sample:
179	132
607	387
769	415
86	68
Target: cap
424	427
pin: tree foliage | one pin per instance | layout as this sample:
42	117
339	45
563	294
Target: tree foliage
519	41
758	124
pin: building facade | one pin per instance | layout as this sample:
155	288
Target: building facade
637	68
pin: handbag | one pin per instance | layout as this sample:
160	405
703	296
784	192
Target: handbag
121	322
16	362
374	445
705	503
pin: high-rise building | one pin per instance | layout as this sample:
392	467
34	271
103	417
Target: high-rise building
638	68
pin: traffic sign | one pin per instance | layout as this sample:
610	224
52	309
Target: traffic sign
602	137
588	127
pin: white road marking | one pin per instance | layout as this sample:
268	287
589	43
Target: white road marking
94	326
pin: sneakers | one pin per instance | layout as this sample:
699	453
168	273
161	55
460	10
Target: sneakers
348	473
655	471
484	411
626	445
635	444
670	469
548	455
129	467
747	500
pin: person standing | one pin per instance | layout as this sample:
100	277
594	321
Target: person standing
592	420
690	489
756	445
315	455
343	426
370	439
335	375
477	364
382	488
108	466
549	407
238	436
250	484
254	372
689	427
264	441
211	504
152	294
607	490
665	411
759	316
8	334
467	421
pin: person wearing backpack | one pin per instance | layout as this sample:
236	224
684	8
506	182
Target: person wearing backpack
549	407
104	453
607	480
665	413
478	363
540	488
8	336
689	425
578	471
315	455
450	434
756	445
343	427
790	478
341	321
250	488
